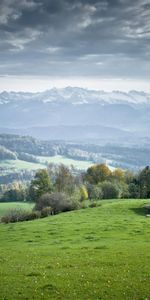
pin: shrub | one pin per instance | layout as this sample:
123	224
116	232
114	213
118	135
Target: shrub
84	205
123	190
97	192
75	204
93	204
19	215
109	190
134	191
32	215
58	202
46	211
43	202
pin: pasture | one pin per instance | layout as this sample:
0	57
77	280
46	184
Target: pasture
12	166
5	207
58	159
89	254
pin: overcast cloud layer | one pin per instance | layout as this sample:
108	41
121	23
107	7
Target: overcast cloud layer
105	38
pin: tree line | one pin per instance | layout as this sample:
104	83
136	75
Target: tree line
98	182
58	189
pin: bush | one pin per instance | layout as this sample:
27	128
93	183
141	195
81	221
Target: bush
46	211
84	205
32	215
43	202
109	190
75	203
19	215
123	190
134	191
93	204
97	192
58	202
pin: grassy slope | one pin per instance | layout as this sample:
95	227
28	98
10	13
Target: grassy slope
16	165
4	207
58	159
97	253
11	166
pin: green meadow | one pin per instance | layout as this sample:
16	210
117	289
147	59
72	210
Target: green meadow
89	254
11	166
6	207
59	159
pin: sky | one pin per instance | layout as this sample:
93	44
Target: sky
100	44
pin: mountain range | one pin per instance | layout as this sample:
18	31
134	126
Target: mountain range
76	113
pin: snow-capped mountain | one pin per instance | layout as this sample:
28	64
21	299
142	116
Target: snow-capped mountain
77	96
89	113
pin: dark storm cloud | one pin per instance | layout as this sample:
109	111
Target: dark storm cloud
85	37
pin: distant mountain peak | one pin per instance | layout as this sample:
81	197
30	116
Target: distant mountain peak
73	106
77	95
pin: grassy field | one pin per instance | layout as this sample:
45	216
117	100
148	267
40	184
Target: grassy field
11	166
5	207
58	159
95	253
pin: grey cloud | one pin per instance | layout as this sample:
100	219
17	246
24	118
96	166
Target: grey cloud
11	10
78	37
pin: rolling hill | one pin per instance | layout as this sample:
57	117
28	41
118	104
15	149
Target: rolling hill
95	253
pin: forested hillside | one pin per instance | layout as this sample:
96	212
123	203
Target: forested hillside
21	156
